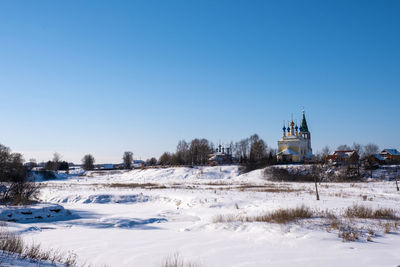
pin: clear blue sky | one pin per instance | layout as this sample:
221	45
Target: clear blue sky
103	77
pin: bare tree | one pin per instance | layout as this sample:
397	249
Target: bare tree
358	147
318	173
11	166
182	153
17	188
199	150
32	163
88	162
325	152
396	176
151	162
56	160
258	149
343	147
242	149
128	159
370	149
166	159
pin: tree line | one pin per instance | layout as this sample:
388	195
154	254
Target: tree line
88	161
364	151
249	151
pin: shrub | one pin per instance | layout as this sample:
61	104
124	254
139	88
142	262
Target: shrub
13	174
281	174
21	193
45	174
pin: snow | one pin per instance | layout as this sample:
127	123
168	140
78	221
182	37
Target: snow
140	217
36	213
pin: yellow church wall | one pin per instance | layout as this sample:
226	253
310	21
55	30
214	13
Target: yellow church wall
281	148
294	148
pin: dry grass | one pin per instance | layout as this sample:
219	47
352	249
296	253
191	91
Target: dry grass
280	216
271	190
216	186
349	228
226	218
363	212
349	234
333	221
14	244
137	185
11	243
102	173
389	227
267	188
176	260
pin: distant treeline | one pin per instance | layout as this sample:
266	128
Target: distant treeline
249	151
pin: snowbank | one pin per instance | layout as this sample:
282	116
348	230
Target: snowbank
106	199
34	214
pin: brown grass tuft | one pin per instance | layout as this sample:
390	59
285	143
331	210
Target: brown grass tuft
284	215
14	244
280	216
349	234
11	243
363	212
226	218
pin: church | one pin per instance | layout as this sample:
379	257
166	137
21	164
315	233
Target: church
295	145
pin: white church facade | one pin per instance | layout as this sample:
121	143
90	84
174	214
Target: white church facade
295	144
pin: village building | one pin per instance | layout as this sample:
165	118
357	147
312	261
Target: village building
295	144
390	155
373	161
349	159
344	157
106	166
138	163
221	156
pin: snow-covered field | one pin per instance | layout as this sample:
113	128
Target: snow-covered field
140	217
